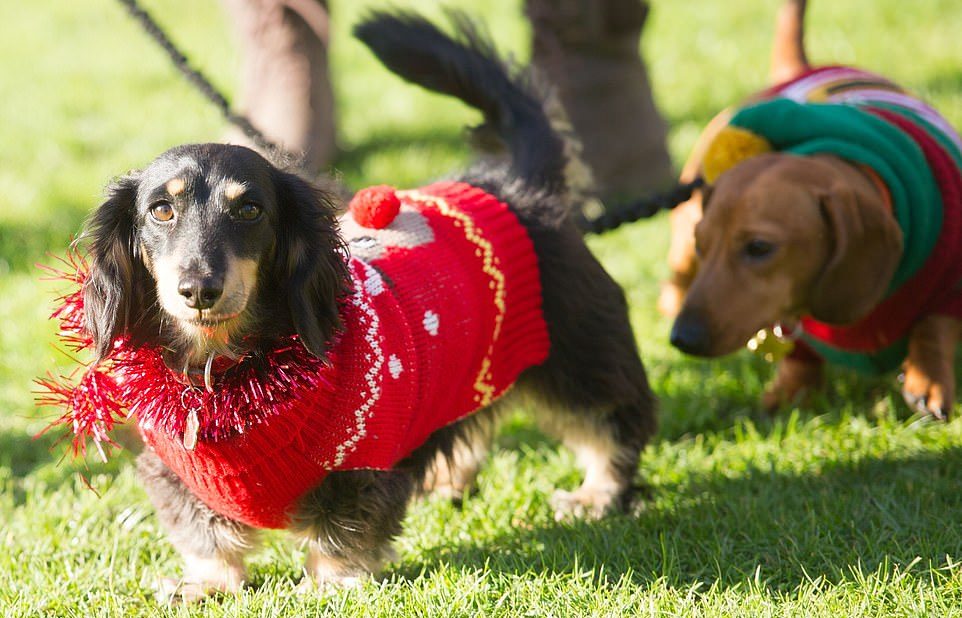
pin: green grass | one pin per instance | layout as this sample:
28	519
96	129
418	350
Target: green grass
845	507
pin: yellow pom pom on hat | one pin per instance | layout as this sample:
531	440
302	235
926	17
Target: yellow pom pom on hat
730	147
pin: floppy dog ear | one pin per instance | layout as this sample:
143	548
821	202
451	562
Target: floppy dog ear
706	191
867	248
310	261
114	291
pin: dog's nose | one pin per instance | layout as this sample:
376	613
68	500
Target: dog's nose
200	292
690	335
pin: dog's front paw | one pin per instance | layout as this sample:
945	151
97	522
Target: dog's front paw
309	584
203	577
582	503
793	381
777	396
173	591
926	394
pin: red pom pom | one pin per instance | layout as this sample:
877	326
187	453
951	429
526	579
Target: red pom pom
375	207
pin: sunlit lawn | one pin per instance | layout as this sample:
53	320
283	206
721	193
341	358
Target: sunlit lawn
846	507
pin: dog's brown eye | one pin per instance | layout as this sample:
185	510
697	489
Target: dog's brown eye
758	249
162	211
248	211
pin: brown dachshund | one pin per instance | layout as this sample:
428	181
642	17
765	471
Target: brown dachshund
780	238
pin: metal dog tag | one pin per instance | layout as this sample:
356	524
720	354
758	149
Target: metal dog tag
190	399
771	344
190	430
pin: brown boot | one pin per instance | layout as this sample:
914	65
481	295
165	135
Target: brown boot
286	88
589	49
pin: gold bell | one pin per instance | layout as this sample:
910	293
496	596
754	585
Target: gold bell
772	344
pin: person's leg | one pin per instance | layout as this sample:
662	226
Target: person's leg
589	49
286	90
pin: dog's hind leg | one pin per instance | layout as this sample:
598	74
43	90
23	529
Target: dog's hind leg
607	446
349	522
592	391
460	455
212	546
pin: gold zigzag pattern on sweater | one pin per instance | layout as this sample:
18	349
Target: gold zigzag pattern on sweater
489	265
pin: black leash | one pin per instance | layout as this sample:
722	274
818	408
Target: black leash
206	88
641	209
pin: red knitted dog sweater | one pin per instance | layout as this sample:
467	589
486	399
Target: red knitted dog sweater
445	314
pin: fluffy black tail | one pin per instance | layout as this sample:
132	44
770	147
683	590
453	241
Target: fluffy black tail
467	67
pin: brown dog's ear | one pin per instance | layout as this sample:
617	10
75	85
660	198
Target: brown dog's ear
706	191
114	293
310	263
867	248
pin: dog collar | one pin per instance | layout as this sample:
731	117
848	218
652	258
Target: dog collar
206	377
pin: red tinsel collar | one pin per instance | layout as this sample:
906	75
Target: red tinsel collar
136	381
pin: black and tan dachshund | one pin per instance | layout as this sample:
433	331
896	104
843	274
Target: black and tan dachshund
213	250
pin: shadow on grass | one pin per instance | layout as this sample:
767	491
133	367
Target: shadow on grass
48	456
786	528
710	396
25	455
945	83
22	245
22	452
